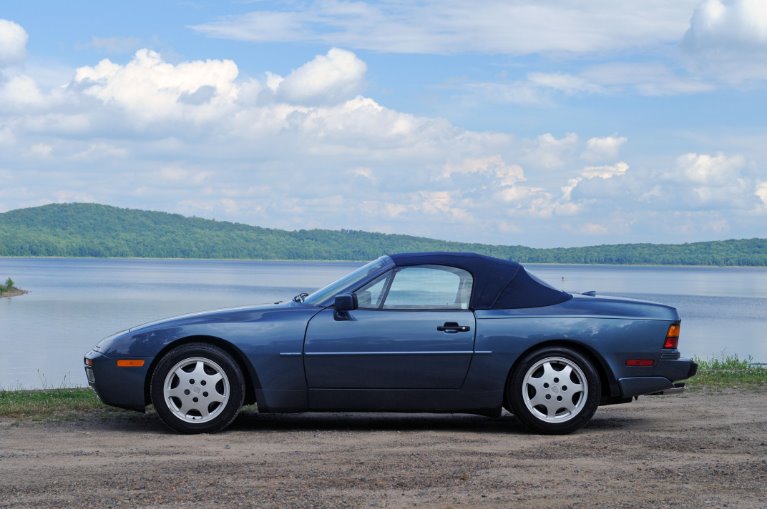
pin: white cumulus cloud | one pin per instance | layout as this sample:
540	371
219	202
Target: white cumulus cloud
710	169
728	24
20	92
548	151
13	42
605	172
327	79
761	193
603	149
728	39
505	174
152	89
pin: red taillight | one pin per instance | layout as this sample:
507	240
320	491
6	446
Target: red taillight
672	336
640	362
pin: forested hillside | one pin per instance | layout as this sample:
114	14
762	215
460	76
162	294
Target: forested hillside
102	231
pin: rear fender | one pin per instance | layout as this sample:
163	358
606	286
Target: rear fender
610	387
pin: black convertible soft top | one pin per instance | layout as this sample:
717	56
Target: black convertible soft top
498	284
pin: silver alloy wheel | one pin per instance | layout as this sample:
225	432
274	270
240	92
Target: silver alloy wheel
555	389
196	390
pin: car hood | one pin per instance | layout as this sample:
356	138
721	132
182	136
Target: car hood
227	315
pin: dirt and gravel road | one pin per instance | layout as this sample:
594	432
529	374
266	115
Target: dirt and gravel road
700	449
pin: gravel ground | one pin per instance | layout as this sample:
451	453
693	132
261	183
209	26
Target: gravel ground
700	449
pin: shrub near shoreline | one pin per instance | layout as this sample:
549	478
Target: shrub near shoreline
9	289
8	286
724	372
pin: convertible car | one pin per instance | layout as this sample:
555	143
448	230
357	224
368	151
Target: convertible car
422	332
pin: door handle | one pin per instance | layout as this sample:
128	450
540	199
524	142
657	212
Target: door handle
452	327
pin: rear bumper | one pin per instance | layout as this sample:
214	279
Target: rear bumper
665	374
678	369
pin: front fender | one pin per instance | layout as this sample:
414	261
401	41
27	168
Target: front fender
270	342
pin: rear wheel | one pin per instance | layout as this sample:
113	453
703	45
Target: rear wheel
554	390
197	388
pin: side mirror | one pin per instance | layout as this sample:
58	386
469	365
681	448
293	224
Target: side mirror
345	302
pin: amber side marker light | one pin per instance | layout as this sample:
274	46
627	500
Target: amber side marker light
672	336
89	362
130	363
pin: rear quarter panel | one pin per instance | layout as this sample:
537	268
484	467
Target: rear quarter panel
608	330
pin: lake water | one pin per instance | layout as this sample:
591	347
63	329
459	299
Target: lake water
73	303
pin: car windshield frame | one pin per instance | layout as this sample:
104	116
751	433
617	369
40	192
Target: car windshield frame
351	281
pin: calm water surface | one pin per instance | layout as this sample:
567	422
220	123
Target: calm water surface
73	303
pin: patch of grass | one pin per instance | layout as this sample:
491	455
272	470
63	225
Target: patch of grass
727	371
48	403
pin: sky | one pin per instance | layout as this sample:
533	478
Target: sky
540	123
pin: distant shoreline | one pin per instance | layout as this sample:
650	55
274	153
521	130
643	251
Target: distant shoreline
315	260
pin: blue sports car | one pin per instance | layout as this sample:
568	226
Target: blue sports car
422	332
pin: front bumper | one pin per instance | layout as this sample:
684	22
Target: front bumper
116	386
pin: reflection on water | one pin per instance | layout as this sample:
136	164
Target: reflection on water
73	303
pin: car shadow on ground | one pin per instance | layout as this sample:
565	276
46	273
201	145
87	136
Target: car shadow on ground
251	420
349	421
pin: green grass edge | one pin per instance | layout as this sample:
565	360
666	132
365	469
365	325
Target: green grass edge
728	371
46	404
71	403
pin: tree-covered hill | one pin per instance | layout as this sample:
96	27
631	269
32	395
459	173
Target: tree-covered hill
79	229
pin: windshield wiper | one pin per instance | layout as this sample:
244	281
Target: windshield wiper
300	297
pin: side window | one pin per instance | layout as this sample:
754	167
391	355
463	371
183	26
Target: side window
429	287
371	295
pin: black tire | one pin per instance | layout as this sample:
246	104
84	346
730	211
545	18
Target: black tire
554	390
197	388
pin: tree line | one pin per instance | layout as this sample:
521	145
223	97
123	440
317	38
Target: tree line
90	230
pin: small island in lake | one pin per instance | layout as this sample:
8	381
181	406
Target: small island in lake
9	289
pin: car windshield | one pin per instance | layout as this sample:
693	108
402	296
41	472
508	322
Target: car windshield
350	280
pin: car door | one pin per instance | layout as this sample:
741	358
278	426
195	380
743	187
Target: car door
412	330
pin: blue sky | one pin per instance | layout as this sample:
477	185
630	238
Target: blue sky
520	122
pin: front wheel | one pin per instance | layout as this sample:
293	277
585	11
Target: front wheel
554	390
197	388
